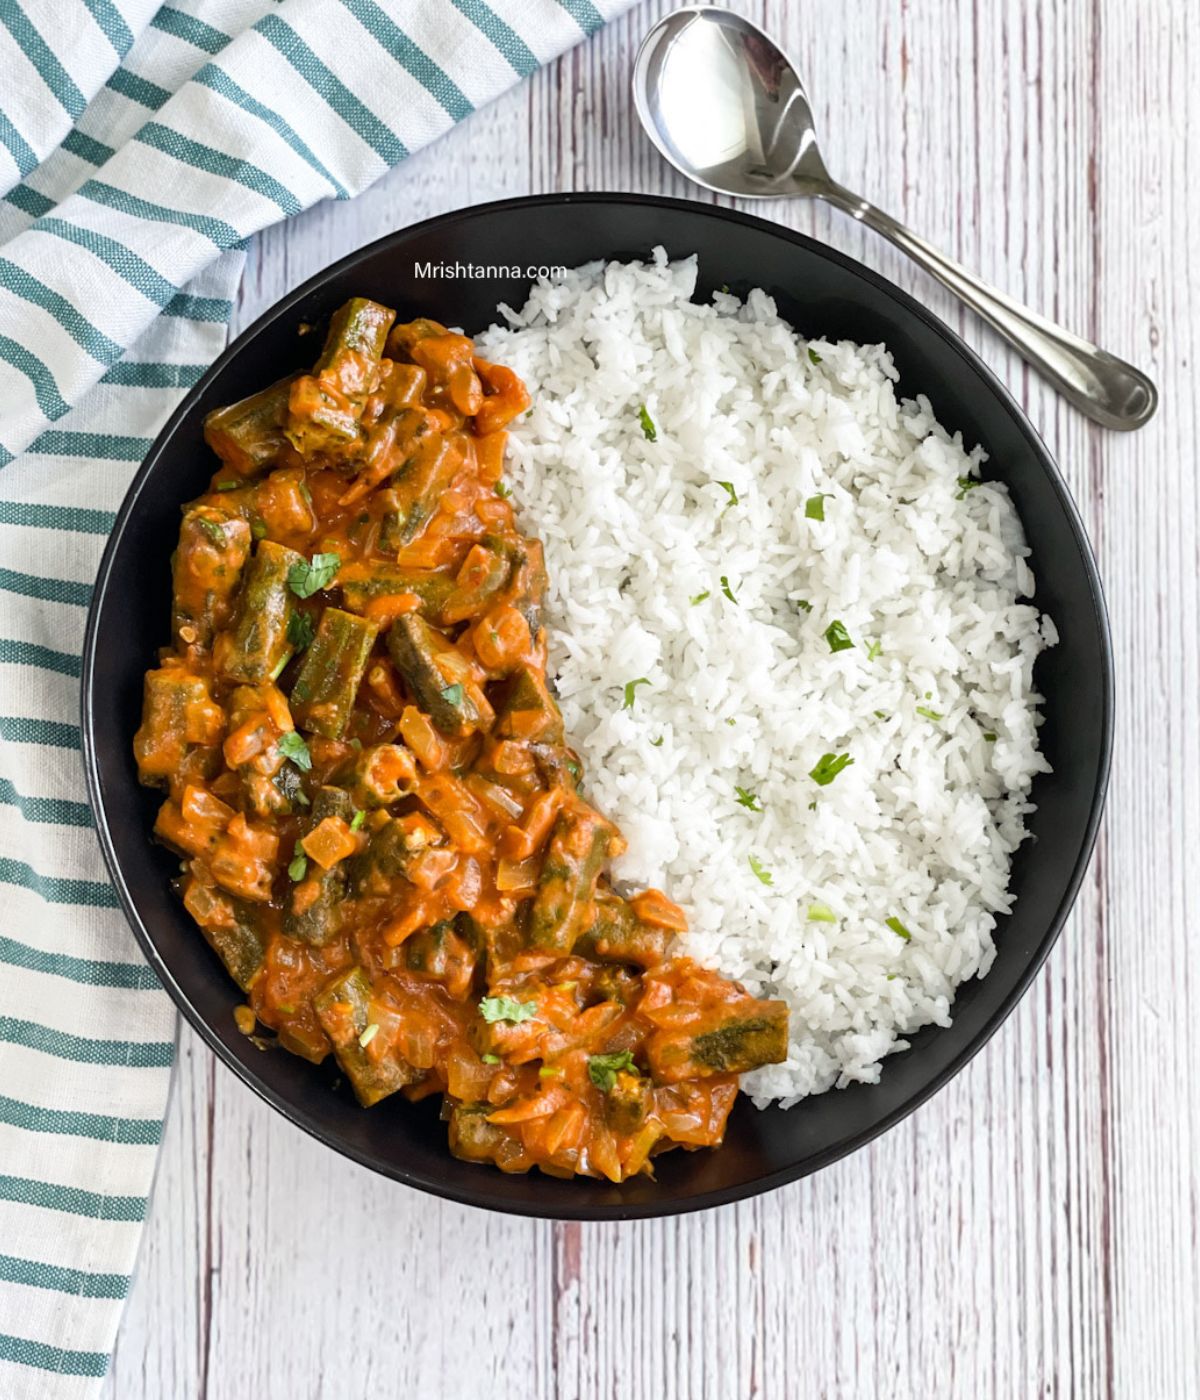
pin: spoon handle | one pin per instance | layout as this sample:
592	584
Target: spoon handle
1107	389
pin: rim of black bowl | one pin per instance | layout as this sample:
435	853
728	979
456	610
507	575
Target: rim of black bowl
583	1209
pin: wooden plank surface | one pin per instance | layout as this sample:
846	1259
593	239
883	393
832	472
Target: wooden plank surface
1034	1229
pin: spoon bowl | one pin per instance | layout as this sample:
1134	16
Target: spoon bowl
748	128
727	107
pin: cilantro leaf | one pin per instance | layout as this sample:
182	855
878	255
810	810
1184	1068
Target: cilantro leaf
747	799
299	865
292	746
874	650
829	766
603	1069
897	927
764	875
814	507
648	429
837	637
928	713
728	487
502	490
813	356
494	1009
699	597
631	691
819	913
965	484
309	577
300	630
725	588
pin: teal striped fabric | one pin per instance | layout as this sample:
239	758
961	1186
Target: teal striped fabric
141	146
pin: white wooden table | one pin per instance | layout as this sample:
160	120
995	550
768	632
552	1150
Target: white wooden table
1034	1229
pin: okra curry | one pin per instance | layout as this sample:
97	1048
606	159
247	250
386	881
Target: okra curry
384	831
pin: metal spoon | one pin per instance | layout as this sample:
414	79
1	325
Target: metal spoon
726	106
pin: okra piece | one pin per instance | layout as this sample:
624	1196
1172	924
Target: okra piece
316	918
206	570
334	665
417	486
359	325
627	1103
617	935
361	583
388	857
492	566
731	1039
529	711
240	948
472	1137
411	644
383	774
562	906
343	1007
248	435
324	408
440	954
230	928
179	715
256	644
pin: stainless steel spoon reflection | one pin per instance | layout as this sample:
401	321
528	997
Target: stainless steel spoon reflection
725	105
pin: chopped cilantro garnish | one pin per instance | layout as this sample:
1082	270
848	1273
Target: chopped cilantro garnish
728	487
631	691
747	799
603	1069
292	746
760	870
725	588
309	577
813	356
494	1009
648	429
989	737
503	491
880	714
928	713
874	650
814	507
699	597
837	636
300	630
656	743
821	914
897	927
299	865
829	766
965	484
804	605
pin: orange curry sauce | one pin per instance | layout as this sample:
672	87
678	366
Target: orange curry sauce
382	826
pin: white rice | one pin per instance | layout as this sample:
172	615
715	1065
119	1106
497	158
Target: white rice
921	827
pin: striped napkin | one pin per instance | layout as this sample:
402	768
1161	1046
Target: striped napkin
139	148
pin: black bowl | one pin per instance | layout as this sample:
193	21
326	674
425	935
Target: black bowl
822	293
